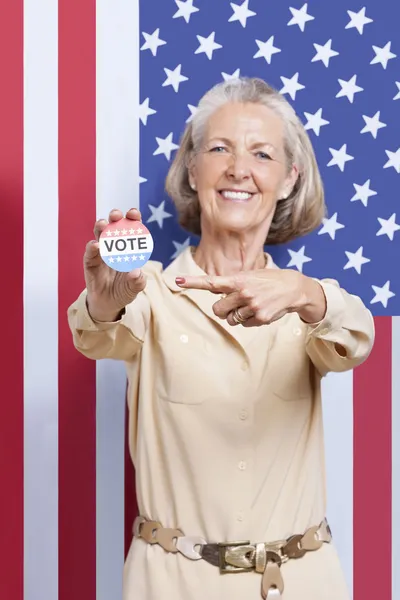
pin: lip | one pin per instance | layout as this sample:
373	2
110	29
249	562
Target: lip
235	190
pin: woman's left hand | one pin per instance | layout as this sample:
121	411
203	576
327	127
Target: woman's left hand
260	297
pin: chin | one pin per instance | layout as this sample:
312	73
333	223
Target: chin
238	225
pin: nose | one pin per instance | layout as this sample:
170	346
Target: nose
239	168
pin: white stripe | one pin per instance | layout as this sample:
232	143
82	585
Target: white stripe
117	180
395	458
40	300
337	390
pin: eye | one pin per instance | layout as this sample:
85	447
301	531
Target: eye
263	156
218	149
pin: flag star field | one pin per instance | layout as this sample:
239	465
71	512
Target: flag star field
343	79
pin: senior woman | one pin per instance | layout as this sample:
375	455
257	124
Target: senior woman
225	353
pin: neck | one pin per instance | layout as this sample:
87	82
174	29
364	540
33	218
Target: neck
216	258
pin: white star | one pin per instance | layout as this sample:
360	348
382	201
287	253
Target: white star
373	124
388	226
207	45
119	258
397	96
192	109
165	146
234	75
363	192
356	260
116	232
174	77
126	258
315	121
145	111
266	49
142	257
339	157
330	226
152	42
109	233
358	20
300	16
324	53
158	214
111	260
349	88
394	160
291	86
185	9
382	294
241	13
139	231
180	247
297	259
124	232
132	231
382	55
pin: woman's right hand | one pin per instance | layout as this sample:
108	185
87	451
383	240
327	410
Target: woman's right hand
109	291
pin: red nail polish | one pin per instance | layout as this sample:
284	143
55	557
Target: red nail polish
180	280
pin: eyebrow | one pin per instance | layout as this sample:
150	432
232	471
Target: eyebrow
254	146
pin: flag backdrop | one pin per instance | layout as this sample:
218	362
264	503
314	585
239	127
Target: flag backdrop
94	97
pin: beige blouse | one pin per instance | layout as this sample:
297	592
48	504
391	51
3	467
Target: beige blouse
225	429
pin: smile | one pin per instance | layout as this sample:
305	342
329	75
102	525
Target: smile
236	196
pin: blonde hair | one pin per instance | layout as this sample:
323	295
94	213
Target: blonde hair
298	214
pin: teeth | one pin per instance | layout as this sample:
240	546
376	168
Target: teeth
236	195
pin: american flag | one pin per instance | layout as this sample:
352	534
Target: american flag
94	99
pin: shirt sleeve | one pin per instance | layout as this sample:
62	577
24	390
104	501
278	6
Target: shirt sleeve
119	340
345	336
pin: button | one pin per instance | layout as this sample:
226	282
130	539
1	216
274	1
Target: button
243	414
242	465
297	331
245	365
123	248
184	338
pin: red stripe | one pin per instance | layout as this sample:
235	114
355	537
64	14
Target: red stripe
373	469
77	384
130	491
11	301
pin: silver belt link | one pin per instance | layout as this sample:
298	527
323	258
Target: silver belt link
187	546
184	544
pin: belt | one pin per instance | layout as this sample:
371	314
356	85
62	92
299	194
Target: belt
241	556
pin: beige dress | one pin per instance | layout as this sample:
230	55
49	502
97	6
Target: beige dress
225	430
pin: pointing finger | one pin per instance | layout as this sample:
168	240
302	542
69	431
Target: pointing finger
213	283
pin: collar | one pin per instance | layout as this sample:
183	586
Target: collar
185	264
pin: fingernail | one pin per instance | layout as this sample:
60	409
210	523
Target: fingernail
180	280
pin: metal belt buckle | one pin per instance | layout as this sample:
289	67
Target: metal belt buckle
233	557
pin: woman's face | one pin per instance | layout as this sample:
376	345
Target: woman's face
241	170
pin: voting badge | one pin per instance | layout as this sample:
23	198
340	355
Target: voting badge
126	245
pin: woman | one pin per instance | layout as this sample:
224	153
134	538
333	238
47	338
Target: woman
225	354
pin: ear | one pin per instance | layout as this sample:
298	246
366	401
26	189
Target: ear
289	183
192	172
